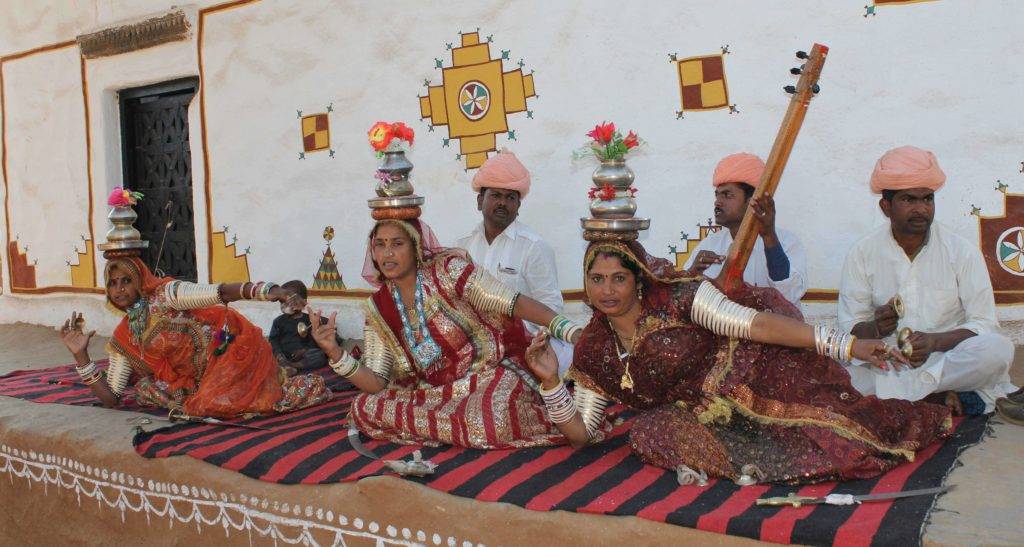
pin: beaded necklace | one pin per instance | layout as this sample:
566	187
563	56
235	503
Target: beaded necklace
138	316
428	351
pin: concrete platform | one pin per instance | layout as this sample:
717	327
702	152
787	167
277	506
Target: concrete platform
984	509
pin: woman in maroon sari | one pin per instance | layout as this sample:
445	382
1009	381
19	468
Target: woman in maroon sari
731	388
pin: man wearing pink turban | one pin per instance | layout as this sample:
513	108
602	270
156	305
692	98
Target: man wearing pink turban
778	257
917	275
508	248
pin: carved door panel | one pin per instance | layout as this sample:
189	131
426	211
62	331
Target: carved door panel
157	162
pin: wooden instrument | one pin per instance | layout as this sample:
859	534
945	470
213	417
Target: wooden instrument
731	277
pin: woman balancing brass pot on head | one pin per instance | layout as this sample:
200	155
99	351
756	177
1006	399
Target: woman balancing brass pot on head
444	339
735	387
184	347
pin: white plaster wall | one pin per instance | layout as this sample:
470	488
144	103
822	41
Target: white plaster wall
943	75
46	161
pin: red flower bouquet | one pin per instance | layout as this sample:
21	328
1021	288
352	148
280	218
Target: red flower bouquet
123	198
608	144
383	134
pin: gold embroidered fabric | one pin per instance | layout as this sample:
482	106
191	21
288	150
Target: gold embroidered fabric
486	294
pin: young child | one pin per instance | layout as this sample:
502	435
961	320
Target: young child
293	345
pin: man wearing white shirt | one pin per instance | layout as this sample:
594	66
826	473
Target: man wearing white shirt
509	249
777	260
943	290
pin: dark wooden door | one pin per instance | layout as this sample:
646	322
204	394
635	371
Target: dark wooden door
157	162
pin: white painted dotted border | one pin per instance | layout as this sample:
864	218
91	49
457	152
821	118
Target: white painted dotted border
155	498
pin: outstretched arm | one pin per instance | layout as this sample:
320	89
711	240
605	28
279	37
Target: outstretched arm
714	311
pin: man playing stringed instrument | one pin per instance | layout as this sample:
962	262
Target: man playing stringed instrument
916	276
777	259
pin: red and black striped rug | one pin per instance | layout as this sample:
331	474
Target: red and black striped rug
310	447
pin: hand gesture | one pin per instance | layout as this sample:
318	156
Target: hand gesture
878	354
541	358
923	344
764	212
74	339
324	333
704	260
886	319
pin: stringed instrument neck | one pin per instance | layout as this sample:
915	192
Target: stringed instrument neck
731	277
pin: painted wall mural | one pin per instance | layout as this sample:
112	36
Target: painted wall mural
475	97
870	10
702	83
327	278
316	132
228	265
23	273
83	273
1002	245
681	254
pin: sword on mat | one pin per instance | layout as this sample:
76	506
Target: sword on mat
177	416
849	499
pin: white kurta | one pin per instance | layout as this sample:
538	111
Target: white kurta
946	287
521	259
756	273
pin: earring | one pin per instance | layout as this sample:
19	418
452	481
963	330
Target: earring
639	291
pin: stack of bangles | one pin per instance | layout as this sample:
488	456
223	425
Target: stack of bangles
830	342
346	366
89	373
561	406
256	291
563	329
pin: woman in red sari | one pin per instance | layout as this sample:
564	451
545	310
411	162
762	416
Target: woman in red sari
187	350
444	349
733	389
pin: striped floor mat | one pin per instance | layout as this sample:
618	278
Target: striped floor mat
310	447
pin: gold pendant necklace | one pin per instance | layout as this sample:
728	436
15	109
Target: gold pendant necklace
627	379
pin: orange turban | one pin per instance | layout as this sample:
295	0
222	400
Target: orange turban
504	171
907	167
740	167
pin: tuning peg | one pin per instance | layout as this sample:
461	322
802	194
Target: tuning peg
801	55
815	88
790	89
795	71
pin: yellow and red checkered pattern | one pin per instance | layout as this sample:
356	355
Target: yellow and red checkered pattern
702	84
316	133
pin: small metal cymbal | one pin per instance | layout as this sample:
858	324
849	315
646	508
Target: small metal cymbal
898	306
302	329
903	342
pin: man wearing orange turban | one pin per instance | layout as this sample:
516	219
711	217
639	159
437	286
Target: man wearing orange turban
913	273
778	257
506	247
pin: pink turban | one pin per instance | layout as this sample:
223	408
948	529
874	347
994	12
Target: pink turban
907	167
504	171
740	167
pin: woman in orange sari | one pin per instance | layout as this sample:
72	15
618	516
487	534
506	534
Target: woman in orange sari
187	350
